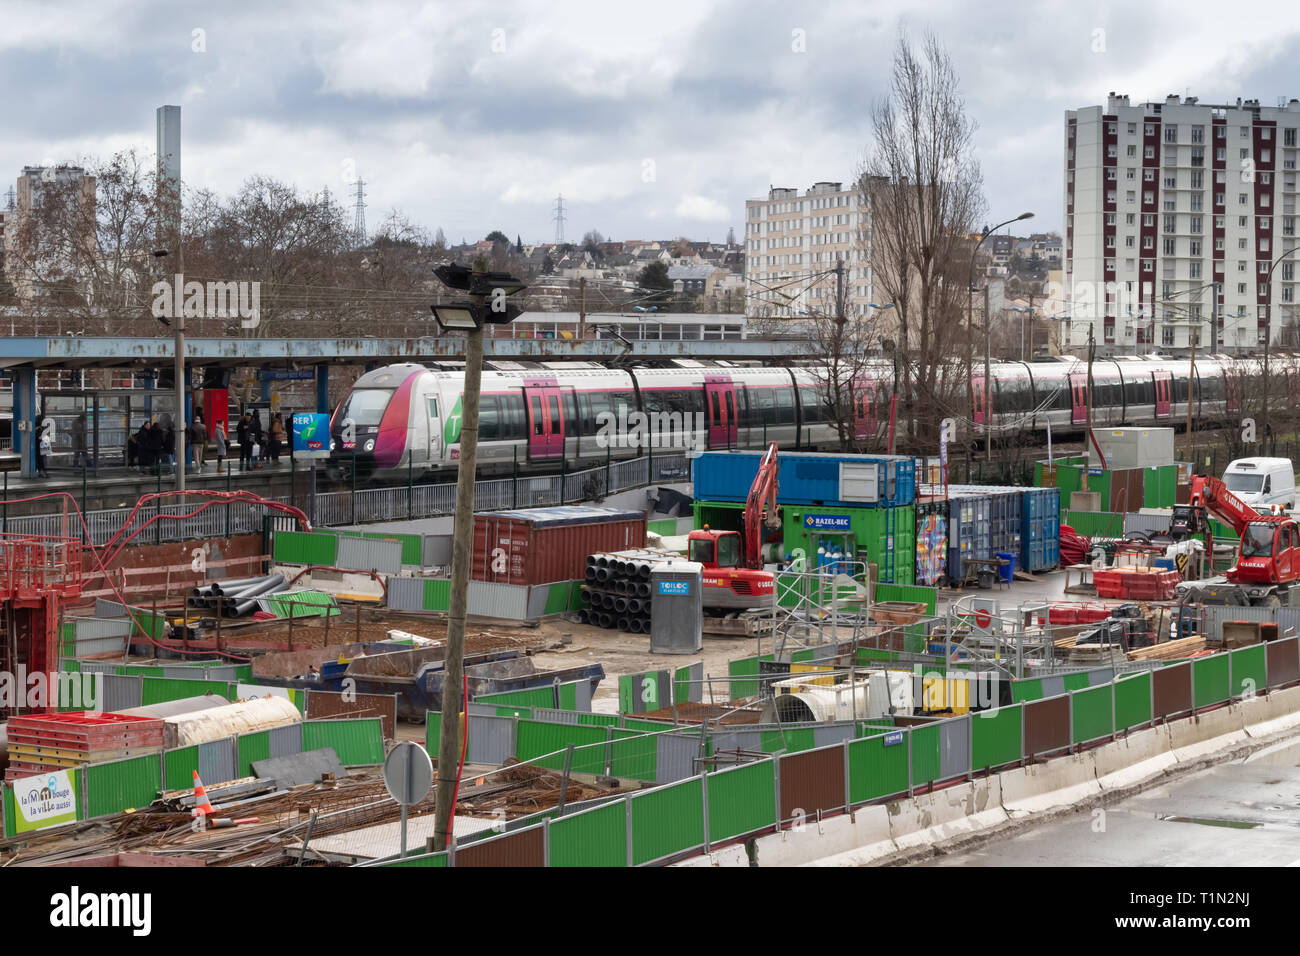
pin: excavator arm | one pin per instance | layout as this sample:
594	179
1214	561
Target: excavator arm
760	506
1213	495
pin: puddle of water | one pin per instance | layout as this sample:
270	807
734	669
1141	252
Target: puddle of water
1231	824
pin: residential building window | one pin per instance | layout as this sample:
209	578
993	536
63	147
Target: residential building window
1241	288
1265	155
1198	134
1198	157
1171	246
1263	222
1171	134
1220	132
1288	226
1132	129
1129	218
1265	133
1110	219
1194	270
1218	222
1171	182
1128	242
1130	173
1194	249
1198	179
1149	152
1243	198
1148	220
1245	131
1148	242
1148	175
1245	154
1288	137
1265	178
1220	154
1197	199
1131	150
1110	174
1218	199
1264	200
1167	335
1147	265
1111	152
1241	221
1149	130
1110	242
1171	224
1218	244
1130	196
1195	224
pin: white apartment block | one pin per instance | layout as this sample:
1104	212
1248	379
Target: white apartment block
1175	213
792	244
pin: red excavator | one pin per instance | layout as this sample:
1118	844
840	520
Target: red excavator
734	579
1268	555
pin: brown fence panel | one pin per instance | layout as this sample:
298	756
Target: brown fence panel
1283	662
1171	690
812	780
323	704
522	848
1047	725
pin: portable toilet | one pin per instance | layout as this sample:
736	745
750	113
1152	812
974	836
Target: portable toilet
676	608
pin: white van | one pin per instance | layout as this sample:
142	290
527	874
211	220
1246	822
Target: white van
1262	482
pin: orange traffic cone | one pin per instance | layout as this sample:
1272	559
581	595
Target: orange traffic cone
201	805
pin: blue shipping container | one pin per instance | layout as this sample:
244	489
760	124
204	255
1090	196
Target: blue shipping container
968	532
810	479
1040	529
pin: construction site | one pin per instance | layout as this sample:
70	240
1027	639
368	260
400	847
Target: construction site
838	638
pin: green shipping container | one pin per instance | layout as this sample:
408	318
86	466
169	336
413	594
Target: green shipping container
886	536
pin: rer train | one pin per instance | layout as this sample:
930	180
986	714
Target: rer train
407	416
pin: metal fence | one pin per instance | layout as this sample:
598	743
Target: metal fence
334	508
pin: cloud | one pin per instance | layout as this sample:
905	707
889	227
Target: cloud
701	207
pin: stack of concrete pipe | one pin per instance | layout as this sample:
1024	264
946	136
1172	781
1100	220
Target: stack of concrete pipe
235	598
617	589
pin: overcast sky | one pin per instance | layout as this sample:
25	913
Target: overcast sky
652	119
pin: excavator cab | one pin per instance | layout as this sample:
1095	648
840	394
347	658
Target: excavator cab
715	549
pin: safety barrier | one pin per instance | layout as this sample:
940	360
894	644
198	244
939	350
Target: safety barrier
101	789
788	790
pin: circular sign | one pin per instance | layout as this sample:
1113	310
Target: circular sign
408	773
983	618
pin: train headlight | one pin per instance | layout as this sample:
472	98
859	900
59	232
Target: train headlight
369	445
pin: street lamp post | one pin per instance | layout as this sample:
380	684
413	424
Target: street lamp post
470	317
178	372
1268	328
970	343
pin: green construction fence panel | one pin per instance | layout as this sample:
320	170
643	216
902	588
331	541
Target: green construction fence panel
358	741
996	737
791	741
536	739
924	744
305	547
591	838
179	766
642	693
741	800
255	746
1249	670
1095	524
432	732
682	684
122	784
423	860
437	594
912	593
633	754
559	597
745	667
11	811
1077	681
877	766
1133	701
667	821
1210	682
645	726
569	696
302	604
596	720
1091	713
535	697
1023	690
78	691
159	690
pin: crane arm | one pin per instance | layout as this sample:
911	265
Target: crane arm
760	503
1213	495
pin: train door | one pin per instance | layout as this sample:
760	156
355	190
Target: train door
1163	381
545	421
1231	390
864	409
979	413
720	400
1079	398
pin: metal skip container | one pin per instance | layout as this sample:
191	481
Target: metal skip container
676	608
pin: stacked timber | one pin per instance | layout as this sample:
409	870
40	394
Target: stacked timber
1169	650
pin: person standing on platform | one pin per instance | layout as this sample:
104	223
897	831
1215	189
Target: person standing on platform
277	438
244	435
44	447
79	456
219	439
198	441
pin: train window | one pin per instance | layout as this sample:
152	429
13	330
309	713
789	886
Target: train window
814	410
715	410
489	419
365	406
785	406
535	403
513	426
1013	395
1140	391
742	406
622	403
433	408
1180	388
762	406
596	412
553	404
1211	387
570	414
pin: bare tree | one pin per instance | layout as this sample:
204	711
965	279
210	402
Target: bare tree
924	192
846	372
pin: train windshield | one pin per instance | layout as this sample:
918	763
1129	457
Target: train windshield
1243	483
365	406
1257	542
